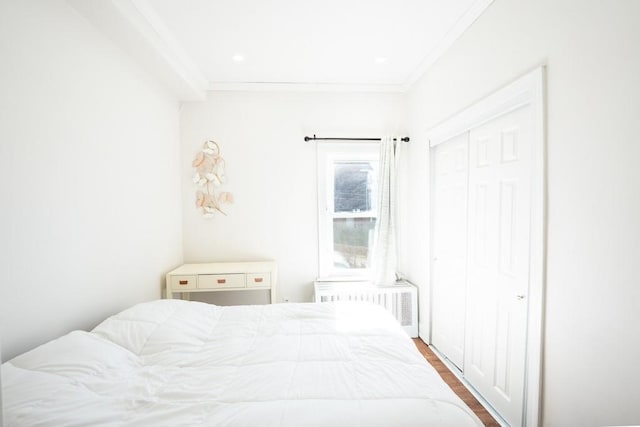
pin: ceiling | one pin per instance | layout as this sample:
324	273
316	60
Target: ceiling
381	45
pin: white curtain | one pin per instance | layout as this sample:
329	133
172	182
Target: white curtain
384	251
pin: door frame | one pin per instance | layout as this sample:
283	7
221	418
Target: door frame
527	90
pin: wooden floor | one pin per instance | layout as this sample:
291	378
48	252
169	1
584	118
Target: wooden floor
455	384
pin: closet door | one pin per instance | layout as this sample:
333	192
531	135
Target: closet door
498	260
449	231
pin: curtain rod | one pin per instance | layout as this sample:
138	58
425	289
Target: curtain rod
315	138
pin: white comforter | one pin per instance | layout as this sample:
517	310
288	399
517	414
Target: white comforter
178	363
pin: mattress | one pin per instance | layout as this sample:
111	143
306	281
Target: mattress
181	363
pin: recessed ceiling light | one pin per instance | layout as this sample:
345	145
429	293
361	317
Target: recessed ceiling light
238	58
380	59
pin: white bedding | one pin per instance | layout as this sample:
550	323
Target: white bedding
179	363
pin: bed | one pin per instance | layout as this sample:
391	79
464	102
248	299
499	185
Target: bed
181	363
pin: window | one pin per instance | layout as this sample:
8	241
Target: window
347	204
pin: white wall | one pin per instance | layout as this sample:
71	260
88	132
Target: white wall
413	220
1	404
89	177
592	343
272	173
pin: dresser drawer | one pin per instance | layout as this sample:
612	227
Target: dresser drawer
258	280
183	282
220	281
234	277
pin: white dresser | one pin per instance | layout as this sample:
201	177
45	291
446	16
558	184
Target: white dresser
223	276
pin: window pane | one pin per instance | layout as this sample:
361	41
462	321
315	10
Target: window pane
352	238
355	186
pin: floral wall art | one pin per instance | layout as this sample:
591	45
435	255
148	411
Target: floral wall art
209	176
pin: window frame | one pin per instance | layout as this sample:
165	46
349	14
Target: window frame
327	154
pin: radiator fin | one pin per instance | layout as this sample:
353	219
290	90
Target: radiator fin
400	300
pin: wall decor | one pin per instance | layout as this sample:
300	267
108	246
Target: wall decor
209	176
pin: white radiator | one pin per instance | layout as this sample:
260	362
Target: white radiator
400	299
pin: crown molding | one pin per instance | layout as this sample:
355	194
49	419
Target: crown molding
137	29
304	87
134	26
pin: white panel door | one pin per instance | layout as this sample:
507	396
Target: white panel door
449	231
498	260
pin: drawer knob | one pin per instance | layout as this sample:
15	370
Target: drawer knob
222	281
258	279
184	282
